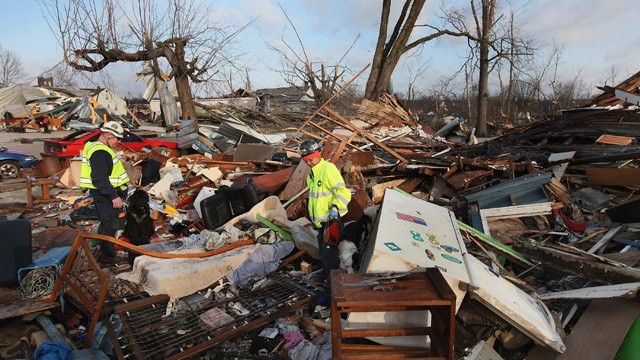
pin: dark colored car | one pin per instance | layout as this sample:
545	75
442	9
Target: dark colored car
72	144
12	161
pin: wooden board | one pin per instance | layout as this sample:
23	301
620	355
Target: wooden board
614	176
614	140
297	182
601	329
11	306
54	237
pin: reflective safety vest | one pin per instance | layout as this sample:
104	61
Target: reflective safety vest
118	176
326	189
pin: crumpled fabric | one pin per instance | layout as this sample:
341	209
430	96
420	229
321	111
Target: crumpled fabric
265	236
293	339
304	351
262	262
193	241
50	350
576	226
231	234
319	349
323	344
211	239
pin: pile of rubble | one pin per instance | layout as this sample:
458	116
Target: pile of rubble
533	234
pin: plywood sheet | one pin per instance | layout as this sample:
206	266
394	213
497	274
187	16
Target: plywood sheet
601	329
614	176
614	140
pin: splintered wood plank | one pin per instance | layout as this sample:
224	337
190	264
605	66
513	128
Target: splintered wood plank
464	179
614	140
11	306
409	185
273	181
601	329
297	182
518	211
614	176
377	191
54	237
559	190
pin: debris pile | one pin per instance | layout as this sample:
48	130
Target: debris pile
523	239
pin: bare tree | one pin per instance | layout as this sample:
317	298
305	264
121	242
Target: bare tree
11	70
297	67
63	75
416	67
390	47
490	42
514	66
610	77
176	37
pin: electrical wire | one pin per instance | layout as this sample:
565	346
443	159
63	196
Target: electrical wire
37	283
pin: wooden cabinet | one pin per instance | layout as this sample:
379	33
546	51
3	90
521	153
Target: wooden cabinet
423	290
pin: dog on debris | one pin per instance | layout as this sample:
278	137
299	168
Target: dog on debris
139	228
354	239
346	250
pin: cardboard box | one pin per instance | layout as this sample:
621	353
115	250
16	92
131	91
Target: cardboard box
305	267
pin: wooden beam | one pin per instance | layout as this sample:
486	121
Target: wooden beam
604	240
614	176
517	211
352	127
284	146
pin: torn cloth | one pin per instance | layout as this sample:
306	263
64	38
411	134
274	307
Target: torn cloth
262	262
577	227
181	277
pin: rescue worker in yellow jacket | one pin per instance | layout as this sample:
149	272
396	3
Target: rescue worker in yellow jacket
104	175
328	199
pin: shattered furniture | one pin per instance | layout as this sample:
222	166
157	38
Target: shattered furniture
45	185
15	249
85	281
368	292
145	332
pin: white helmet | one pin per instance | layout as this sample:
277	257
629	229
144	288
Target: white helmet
114	128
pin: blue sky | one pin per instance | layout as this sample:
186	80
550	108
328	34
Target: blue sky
598	35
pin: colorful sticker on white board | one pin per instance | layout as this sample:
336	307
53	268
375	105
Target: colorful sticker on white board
443	269
411	218
451	258
416	236
430	254
432	239
449	249
393	246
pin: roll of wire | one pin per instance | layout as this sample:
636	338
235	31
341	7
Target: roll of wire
37	283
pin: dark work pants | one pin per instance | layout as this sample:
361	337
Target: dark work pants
110	220
328	254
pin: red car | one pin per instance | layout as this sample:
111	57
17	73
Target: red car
72	144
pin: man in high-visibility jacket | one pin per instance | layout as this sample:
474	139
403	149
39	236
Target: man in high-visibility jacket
328	200
104	175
